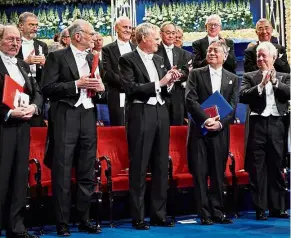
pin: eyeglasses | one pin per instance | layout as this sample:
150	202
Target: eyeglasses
215	50
12	39
262	29
89	33
170	33
65	36
213	25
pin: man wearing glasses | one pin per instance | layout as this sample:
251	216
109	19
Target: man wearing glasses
213	28
65	39
174	57
72	124
264	31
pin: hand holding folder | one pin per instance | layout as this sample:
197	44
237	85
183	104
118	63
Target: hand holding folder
95	62
12	93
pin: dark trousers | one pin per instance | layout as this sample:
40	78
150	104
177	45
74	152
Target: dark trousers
207	155
116	113
148	142
74	130
176	105
265	151
14	154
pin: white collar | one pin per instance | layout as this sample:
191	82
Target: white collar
120	42
26	40
8	59
170	47
215	71
144	55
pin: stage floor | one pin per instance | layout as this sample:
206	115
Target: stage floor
246	227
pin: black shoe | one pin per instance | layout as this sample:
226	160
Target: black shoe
222	220
88	227
206	221
63	230
164	222
24	234
140	225
261	216
279	214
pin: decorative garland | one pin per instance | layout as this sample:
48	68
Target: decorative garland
38	2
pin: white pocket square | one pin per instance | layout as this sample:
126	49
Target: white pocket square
230	82
280	55
162	66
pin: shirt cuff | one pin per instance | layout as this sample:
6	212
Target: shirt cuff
157	86
170	87
260	90
220	125
77	91
8	115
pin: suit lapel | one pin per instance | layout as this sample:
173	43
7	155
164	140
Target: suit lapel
141	65
26	78
175	56
3	69
36	47
69	57
89	59
207	80
115	51
224	82
165	56
158	67
258	77
20	54
205	44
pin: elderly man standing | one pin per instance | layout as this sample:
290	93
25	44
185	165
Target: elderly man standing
146	83
213	28
207	153
67	84
264	31
267	92
110	56
14	135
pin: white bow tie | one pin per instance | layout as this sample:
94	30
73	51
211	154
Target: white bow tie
216	72
27	42
169	48
81	55
9	60
149	56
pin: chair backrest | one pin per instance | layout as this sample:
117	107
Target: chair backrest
37	150
178	143
237	146
112	142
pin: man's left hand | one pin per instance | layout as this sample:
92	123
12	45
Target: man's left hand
216	126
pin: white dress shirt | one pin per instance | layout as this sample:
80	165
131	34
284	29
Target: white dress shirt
169	51
211	39
124	47
215	75
27	49
147	59
271	107
83	69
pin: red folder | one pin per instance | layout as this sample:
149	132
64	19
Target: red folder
95	62
9	91
211	111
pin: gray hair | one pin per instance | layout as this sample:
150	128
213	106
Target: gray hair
269	47
222	45
263	20
62	34
179	29
23	16
119	19
166	24
144	29
215	17
76	27
5	27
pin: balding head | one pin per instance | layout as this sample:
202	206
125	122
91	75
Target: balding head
264	30
123	28
10	41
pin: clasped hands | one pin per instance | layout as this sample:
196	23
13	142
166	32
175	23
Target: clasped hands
23	112
213	124
35	59
94	84
270	76
172	76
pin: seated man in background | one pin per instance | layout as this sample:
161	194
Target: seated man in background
213	28
264	31
267	92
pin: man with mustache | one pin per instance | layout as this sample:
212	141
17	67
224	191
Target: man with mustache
207	153
14	135
110	56
213	28
72	124
267	92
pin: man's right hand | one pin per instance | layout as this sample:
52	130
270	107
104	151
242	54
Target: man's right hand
265	80
20	112
87	83
211	121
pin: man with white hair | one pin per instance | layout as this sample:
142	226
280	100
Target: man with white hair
264	31
72	124
146	83
267	92
213	28
110	56
207	153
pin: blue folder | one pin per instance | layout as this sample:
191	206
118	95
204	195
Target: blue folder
222	105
